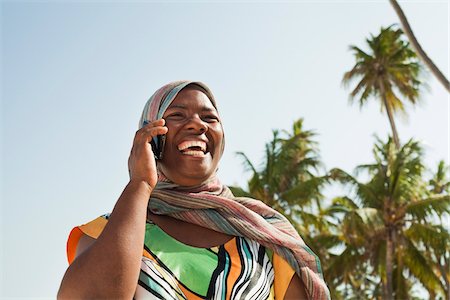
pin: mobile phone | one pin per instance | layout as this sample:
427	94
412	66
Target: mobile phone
157	143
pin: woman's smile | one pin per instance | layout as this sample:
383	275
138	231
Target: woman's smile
193	147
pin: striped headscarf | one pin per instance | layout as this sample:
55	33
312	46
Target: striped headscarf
212	205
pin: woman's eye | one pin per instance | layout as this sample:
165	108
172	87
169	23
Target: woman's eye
211	118
175	116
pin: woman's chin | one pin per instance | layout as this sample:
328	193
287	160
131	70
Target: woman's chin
189	170
191	181
189	176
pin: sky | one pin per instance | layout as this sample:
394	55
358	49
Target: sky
76	75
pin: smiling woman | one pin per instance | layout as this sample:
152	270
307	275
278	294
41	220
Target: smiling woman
176	232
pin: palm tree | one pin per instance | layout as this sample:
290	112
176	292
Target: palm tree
286	180
415	43
439	249
348	273
389	69
440	184
389	226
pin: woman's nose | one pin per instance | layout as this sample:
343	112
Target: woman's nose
197	124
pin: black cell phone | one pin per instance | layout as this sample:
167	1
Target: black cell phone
157	143
158	146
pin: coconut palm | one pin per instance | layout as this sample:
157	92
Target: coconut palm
438	250
389	69
440	184
389	227
348	273
286	180
415	43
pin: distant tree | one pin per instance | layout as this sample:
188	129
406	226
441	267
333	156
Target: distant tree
415	43
389	229
389	69
438	250
287	181
440	183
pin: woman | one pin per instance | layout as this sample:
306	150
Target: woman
176	231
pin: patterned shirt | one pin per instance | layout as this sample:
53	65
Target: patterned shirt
239	269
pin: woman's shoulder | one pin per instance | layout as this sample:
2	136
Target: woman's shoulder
88	231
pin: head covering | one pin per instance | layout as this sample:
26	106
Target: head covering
213	205
158	103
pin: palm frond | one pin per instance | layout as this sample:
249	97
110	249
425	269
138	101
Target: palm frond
248	165
433	236
345	203
418	265
308	189
433	206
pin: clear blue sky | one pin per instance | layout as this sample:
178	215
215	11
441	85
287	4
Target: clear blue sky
76	75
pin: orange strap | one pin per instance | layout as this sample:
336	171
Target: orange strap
283	275
92	229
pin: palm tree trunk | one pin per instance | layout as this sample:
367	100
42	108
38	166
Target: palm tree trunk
443	270
390	116
409	33
392	122
389	265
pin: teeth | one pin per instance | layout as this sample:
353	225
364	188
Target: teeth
194	153
188	144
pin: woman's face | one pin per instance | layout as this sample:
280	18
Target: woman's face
194	140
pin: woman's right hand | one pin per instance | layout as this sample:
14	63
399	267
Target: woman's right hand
141	163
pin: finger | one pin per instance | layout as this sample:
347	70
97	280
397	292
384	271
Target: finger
159	122
152	130
149	133
156	131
